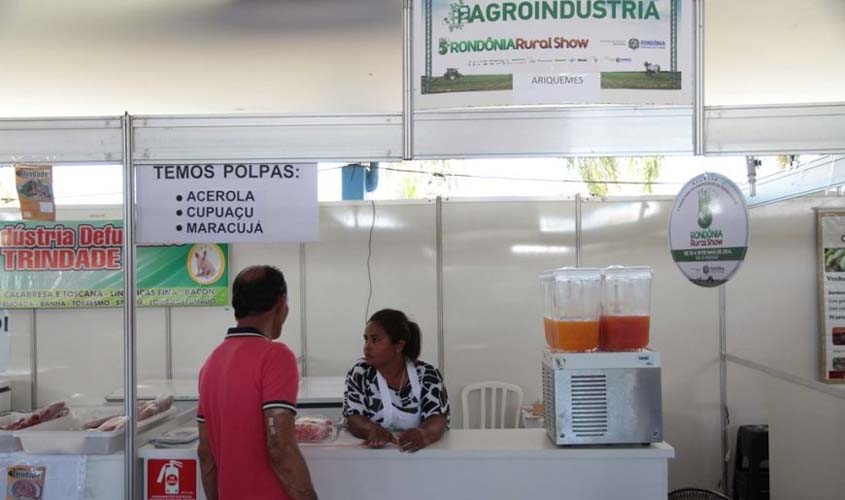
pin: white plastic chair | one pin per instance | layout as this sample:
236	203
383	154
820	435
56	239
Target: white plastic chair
501	412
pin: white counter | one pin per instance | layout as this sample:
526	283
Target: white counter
313	391
489	464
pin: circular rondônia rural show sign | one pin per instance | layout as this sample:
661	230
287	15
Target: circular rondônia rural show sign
708	229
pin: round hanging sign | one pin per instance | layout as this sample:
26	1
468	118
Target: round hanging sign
708	229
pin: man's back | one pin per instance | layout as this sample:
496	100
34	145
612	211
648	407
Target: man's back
245	375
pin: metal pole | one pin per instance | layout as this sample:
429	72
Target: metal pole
698	102
441	334
578	201
303	316
168	342
407	80
129	287
723	385
33	360
428	73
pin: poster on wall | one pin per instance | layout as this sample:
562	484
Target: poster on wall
495	53
708	229
34	184
830	227
78	264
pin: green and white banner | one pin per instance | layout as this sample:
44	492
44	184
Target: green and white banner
708	229
79	264
494	52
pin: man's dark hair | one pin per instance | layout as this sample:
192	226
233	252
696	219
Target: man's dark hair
256	290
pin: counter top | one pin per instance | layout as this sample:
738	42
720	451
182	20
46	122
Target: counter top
488	444
312	390
489	464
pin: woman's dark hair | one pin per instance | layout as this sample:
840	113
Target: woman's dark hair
398	327
256	290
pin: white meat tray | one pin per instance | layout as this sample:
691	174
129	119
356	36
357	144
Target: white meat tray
66	436
8	441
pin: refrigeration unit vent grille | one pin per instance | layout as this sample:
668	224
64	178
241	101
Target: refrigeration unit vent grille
549	401
589	405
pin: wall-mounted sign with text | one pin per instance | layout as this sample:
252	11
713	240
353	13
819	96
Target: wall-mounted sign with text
237	202
494	52
830	227
708	229
80	264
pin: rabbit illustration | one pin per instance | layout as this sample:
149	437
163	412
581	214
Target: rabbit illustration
205	268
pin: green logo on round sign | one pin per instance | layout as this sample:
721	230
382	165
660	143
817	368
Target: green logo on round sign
705	214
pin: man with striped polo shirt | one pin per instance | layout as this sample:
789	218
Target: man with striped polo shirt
247	400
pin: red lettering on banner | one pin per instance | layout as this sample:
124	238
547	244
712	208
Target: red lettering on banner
61	259
106	236
59	248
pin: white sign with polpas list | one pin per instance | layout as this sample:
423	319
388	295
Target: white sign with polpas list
227	203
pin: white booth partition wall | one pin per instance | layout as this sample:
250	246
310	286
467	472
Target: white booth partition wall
774	351
493	253
370	256
684	329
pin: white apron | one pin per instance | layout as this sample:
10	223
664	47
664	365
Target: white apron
393	418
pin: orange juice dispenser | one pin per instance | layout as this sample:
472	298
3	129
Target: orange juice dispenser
577	305
547	284
626	308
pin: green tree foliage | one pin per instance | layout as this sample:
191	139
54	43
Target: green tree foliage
646	169
595	172
434	179
786	161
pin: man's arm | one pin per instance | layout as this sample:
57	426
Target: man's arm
208	467
285	458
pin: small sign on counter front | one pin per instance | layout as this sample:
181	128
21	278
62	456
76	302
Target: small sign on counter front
232	202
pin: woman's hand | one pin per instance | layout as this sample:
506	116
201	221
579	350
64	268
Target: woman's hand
378	437
413	439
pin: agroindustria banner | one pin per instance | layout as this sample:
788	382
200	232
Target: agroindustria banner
79	264
492	52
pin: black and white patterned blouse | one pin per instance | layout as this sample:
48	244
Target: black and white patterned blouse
362	393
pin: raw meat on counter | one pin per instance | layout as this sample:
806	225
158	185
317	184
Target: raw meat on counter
154	407
94	423
112	424
144	411
313	429
39	416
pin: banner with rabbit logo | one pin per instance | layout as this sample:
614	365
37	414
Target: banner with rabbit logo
79	264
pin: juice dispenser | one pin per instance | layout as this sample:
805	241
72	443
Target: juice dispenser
577	305
547	284
626	308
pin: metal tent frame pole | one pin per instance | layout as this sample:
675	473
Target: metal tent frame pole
698	84
129	323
